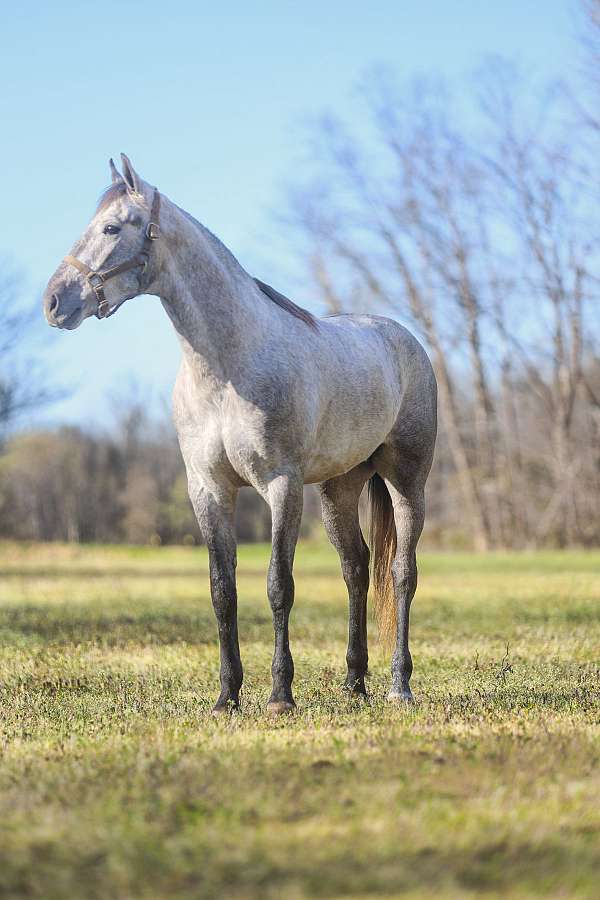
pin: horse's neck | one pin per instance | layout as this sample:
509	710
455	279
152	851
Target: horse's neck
210	299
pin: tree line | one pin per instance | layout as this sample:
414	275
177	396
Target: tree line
125	485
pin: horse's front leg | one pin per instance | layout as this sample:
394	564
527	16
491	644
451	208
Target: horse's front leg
214	507
284	495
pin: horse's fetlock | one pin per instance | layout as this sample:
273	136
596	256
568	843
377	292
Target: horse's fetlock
357	661
402	665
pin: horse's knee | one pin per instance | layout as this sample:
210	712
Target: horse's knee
223	588
280	585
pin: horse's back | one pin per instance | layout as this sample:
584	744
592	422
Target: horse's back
385	343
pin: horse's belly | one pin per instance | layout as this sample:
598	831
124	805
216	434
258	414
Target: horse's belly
322	469
340	449
359	407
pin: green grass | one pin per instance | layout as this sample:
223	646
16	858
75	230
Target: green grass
115	781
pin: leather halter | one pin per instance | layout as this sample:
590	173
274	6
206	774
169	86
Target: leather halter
97	279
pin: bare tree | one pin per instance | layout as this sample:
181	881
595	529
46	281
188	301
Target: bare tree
550	210
590	40
485	246
23	386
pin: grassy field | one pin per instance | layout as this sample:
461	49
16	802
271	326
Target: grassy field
116	782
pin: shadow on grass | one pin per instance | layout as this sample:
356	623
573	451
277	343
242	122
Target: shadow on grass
492	867
534	869
71	623
64	626
496	866
73	572
201	571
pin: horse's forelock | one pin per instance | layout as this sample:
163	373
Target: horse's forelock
112	193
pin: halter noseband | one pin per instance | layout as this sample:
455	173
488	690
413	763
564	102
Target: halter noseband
97	279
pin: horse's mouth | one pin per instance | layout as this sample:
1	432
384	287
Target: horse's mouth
72	321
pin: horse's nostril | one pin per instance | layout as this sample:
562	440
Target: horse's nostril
53	303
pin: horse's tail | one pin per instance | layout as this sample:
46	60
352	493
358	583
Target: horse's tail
382	544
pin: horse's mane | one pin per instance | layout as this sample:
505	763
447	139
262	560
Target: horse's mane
119	188
287	304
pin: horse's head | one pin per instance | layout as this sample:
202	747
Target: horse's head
107	265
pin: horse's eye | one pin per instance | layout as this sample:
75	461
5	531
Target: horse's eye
111	229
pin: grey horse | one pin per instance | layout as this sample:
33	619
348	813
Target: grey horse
270	396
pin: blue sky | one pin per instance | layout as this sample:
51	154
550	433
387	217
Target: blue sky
211	102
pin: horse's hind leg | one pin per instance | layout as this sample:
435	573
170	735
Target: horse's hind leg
409	515
405	472
339	501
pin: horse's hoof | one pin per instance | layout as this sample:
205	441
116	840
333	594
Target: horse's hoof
225	709
359	697
356	691
280	707
401	698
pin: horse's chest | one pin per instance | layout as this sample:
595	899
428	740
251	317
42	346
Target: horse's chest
228	447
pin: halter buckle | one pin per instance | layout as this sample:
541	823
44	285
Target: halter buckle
98	282
152	231
103	308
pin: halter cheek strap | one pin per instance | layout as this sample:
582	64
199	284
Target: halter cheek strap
97	279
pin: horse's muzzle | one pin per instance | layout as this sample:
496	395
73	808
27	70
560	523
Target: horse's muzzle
60	313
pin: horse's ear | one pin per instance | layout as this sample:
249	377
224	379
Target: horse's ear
130	176
114	172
